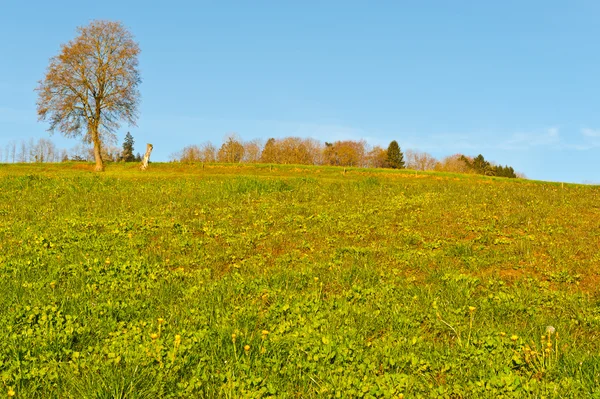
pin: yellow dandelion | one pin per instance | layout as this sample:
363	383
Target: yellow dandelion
247	348
514	338
472	309
11	392
154	335
161	320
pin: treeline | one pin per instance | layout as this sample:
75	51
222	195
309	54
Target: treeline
44	150
350	153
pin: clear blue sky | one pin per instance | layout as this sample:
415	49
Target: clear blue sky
517	81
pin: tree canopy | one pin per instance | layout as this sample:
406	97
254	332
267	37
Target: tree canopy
128	143
92	85
395	158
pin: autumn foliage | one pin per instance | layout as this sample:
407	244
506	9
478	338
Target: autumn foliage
92	85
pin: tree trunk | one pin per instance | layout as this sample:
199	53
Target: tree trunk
144	164
97	153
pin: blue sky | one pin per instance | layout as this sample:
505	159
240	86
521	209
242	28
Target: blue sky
517	81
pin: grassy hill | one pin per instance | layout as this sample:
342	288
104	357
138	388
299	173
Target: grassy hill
293	281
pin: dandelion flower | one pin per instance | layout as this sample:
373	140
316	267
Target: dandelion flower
550	330
11	392
472	309
154	335
514	338
247	348
161	320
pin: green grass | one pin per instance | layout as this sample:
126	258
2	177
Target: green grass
292	281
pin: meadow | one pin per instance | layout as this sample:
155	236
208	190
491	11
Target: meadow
256	281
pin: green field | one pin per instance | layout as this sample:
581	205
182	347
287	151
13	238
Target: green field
286	281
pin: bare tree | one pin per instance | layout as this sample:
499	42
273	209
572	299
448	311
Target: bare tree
419	160
81	152
252	151
13	151
208	152
22	152
92	85
189	154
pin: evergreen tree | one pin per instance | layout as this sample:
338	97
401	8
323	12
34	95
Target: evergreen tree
395	158
127	155
138	157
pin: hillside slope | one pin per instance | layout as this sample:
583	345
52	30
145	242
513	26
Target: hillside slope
289	281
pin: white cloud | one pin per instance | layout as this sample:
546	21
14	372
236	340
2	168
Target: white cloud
587	132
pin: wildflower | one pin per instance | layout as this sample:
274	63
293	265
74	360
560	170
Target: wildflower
154	336
161	320
316	279
11	392
514	338
265	332
550	330
233	336
472	309
503	334
247	348
52	284
177	339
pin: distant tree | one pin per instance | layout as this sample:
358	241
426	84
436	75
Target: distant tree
138	157
480	166
456	163
269	152
64	155
295	150
208	152
504	171
189	154
127	154
232	150
23	152
376	157
345	153
92	85
395	158
419	160
252	151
